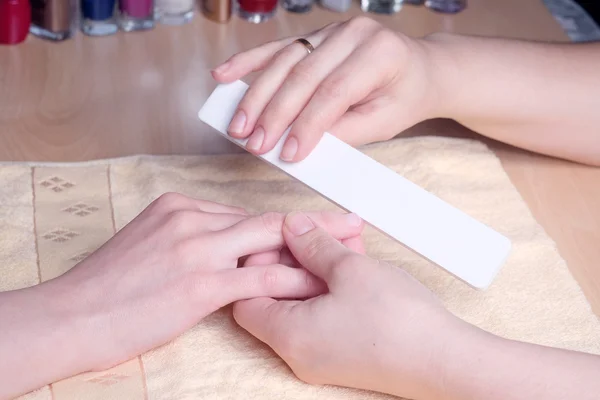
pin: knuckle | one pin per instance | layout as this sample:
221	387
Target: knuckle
179	221
315	246
388	42
300	74
272	222
334	88
168	201
361	22
269	279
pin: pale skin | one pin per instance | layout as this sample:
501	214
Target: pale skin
174	263
364	83
355	322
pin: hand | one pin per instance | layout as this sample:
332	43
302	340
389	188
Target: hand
161	274
363	83
376	328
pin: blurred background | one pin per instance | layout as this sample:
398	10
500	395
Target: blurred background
90	79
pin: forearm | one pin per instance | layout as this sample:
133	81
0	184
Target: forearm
487	367
541	97
40	341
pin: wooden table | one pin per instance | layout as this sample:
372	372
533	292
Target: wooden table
134	93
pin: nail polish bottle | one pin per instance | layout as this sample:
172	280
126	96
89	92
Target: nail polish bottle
446	6
217	10
15	20
256	11
381	6
297	6
337	5
174	12
98	17
51	19
136	15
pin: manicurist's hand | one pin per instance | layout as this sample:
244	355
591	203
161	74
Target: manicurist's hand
362	82
365	83
171	266
377	328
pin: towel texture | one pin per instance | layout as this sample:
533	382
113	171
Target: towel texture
52	216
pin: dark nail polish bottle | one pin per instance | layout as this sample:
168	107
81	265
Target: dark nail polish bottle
15	19
98	17
51	19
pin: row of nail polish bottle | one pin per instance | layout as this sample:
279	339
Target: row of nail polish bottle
100	18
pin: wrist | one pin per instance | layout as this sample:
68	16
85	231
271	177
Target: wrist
447	82
423	370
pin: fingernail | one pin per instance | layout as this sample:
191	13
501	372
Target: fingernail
256	139
353	219
222	68
238	122
299	224
290	148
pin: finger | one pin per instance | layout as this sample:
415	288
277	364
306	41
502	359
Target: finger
265	258
354	243
263	88
278	281
353	81
255	59
312	246
191	224
303	79
264	232
243	63
264	318
170	202
283	257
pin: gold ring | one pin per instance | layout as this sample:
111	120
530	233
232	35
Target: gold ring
307	45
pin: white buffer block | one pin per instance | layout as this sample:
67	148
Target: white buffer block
468	249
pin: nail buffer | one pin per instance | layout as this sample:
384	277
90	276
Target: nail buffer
466	248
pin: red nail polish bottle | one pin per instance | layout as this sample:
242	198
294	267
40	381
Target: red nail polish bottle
15	18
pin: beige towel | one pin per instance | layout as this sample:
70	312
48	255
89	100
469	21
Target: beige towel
53	215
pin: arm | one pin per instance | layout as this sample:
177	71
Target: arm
487	367
379	329
41	340
542	97
174	263
538	96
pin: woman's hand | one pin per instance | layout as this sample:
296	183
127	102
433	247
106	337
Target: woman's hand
160	275
362	83
375	328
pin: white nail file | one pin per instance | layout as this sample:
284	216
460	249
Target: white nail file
439	232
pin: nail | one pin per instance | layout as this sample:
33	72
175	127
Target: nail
222	68
290	148
256	139
299	223
238	122
353	219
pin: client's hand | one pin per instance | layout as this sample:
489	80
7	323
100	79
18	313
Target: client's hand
362	83
162	273
376	328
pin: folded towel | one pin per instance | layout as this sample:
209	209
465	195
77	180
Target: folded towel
53	215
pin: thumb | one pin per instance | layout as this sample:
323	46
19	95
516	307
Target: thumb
313	247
